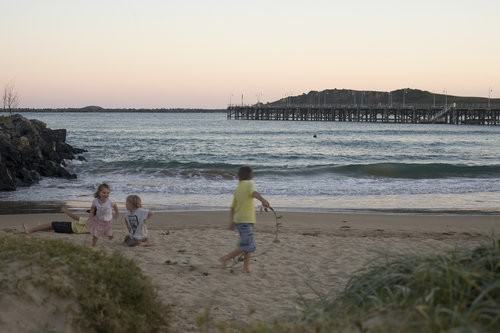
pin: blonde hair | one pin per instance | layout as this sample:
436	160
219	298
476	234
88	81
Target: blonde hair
135	201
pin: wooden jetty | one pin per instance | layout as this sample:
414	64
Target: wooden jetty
465	115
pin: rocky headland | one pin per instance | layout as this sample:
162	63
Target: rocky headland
29	150
406	96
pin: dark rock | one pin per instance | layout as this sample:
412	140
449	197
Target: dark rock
52	169
29	150
7	182
27	177
59	135
79	151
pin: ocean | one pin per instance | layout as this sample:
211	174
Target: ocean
178	161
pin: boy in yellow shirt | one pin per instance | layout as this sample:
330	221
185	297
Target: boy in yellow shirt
242	216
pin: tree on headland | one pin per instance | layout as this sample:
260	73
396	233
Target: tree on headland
10	98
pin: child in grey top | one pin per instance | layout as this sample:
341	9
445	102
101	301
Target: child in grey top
135	221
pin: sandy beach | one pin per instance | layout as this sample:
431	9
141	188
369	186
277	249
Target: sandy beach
317	254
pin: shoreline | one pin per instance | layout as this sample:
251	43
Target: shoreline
39	207
343	224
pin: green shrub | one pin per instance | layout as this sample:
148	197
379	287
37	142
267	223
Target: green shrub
112	293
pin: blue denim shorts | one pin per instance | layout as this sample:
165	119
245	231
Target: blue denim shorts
247	243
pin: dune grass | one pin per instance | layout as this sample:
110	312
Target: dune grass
111	292
453	292
458	291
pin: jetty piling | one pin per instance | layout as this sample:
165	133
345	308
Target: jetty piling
453	115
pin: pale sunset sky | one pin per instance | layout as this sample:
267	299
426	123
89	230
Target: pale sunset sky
196	54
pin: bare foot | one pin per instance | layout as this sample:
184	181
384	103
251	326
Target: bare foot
25	229
223	261
246	270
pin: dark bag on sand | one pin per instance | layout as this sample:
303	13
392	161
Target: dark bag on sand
130	241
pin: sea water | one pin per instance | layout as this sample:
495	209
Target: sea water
190	161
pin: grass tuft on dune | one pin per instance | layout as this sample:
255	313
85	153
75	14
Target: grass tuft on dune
53	285
454	292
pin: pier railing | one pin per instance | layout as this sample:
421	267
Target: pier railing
355	113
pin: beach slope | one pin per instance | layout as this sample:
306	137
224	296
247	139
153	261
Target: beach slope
316	255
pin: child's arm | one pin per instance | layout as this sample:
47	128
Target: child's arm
70	214
93	210
231	219
126	224
259	197
115	211
150	215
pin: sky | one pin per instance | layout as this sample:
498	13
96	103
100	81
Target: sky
205	54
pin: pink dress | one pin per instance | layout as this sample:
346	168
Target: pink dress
101	224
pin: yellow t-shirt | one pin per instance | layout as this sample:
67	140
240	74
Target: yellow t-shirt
80	226
244	210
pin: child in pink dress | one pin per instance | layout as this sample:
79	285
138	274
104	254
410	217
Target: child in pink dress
102	213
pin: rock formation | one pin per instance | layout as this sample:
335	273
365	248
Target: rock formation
29	150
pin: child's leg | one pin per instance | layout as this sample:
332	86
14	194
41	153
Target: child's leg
43	227
246	262
230	256
109	230
94	240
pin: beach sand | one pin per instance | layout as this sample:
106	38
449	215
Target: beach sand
316	255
